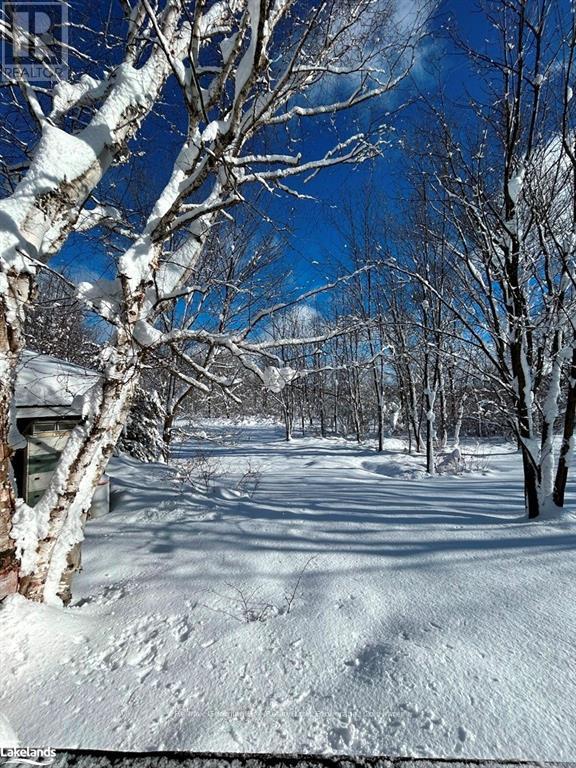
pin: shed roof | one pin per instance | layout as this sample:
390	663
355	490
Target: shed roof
47	386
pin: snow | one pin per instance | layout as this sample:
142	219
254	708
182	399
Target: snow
45	382
28	528
275	379
227	46
516	184
428	618
145	334
451	461
210	133
24	223
8	737
68	94
93	217
246	65
103	295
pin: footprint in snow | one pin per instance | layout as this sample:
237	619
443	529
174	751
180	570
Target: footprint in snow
110	594
463	734
464	737
375	661
181	628
138	646
342	737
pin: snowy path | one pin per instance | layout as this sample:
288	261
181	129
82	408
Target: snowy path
431	621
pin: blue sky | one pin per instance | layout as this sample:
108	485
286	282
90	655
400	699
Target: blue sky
315	239
314	245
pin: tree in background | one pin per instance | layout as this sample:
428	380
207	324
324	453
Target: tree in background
503	179
57	323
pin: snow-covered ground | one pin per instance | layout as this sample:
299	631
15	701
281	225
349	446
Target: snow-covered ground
349	604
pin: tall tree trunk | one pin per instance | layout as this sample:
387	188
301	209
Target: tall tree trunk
414	415
287	407
64	505
549	416
167	435
322	416
377	381
458	423
430	459
442	404
531	485
12	304
288	426
526	432
567	447
429	400
381	425
335	404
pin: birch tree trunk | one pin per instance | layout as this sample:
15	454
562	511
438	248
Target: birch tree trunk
66	502
458	422
11	344
549	416
430	434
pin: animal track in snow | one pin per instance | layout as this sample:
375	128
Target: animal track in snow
343	736
111	593
375	661
464	737
462	733
180	627
138	646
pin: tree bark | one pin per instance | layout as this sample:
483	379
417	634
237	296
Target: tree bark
11	344
167	435
566	449
531	486
69	495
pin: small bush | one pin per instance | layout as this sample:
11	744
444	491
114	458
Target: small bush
200	472
250	480
247	607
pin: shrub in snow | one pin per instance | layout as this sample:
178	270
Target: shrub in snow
451	463
199	472
142	435
247	607
457	463
250	480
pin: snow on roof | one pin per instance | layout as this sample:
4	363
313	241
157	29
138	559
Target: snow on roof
47	386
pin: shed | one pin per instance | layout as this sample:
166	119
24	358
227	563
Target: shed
48	407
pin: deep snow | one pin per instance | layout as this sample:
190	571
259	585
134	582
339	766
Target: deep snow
432	620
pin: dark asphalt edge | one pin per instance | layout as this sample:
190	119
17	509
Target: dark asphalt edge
82	758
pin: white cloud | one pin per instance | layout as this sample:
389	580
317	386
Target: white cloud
379	44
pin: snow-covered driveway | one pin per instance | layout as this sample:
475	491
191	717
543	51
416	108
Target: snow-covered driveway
424	616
